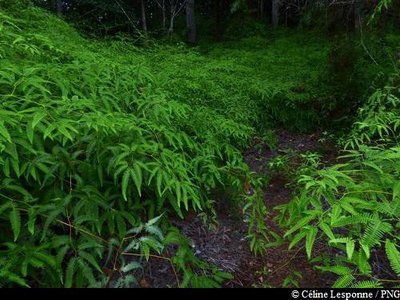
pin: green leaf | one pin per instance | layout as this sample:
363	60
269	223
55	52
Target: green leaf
362	263
159	182
343	281
348	207
350	249
367	285
137	178
5	206
310	239
121	225
131	266
298	237
87	272
37	118
4	132
366	250
69	274
154	220
393	255
90	259
374	166
15	220
50	219
18	280
304	221
327	230
29	133
125	181
342	240
31	220
396	190
337	269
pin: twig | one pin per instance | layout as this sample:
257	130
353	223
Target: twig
288	262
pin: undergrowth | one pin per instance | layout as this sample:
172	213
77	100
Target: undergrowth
94	152
351	209
255	81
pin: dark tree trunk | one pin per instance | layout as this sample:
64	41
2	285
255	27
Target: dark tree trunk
172	18
218	16
357	15
261	10
190	22
144	21
275	12
59	7
164	17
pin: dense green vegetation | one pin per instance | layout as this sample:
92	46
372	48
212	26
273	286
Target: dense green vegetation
103	142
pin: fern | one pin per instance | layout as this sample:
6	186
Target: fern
343	281
374	232
367	285
356	202
15	220
393	255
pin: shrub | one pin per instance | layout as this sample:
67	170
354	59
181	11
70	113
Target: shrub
351	208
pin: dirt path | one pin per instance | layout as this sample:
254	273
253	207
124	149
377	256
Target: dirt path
227	246
280	263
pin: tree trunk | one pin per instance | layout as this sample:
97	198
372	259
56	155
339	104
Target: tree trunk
144	22
59	7
275	12
357	15
190	22
172	17
164	17
171	26
261	9
217	19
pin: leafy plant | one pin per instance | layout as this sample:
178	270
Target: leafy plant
91	147
352	207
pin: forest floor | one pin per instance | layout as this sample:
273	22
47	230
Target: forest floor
226	245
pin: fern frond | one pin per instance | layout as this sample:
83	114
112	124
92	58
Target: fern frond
374	232
367	285
343	281
393	255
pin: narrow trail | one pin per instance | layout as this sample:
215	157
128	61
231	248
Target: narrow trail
226	245
280	263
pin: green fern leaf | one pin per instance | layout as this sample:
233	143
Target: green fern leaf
343	281
15	220
297	238
87	272
310	239
31	220
393	255
327	230
396	190
125	182
130	267
4	132
90	259
338	270
17	279
375	232
137	177
69	275
367	285
300	224
350	249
